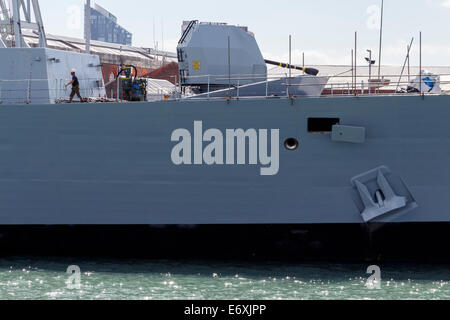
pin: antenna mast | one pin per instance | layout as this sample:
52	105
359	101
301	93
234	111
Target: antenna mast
381	39
87	26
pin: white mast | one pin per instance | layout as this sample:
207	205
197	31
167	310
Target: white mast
87	26
381	41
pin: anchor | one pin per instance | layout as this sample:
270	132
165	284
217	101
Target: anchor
375	209
384	200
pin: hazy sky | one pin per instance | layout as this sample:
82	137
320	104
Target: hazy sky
323	29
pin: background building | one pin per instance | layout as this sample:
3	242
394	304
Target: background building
149	62
104	27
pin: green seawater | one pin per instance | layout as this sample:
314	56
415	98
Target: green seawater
39	278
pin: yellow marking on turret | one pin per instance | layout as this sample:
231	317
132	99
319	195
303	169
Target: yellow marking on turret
196	65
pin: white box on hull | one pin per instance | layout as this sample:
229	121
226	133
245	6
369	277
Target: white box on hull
39	75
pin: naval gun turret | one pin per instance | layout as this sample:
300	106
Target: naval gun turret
220	60
206	60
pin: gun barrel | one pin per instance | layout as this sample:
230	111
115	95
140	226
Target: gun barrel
310	71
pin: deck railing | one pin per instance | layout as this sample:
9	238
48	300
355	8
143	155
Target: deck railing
340	85
52	90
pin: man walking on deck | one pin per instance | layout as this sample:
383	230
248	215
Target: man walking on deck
75	87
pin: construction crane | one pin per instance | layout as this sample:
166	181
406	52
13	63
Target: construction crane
12	23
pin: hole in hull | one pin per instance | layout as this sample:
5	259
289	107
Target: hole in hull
291	144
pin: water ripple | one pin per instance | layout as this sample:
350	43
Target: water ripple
27	278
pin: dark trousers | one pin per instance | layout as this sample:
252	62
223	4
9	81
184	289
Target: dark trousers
75	91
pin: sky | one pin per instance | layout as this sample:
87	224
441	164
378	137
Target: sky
322	29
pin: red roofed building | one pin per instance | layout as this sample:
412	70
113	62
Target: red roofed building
168	72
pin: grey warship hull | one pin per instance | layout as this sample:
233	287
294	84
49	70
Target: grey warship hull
109	165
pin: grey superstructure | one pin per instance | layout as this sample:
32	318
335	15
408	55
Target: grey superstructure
221	60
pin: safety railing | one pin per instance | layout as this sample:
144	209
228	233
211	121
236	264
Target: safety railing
32	91
336	85
233	87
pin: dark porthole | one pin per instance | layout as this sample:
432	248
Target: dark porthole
291	144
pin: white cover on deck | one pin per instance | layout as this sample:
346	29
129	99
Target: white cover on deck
38	75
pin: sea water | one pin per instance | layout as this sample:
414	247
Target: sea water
39	278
